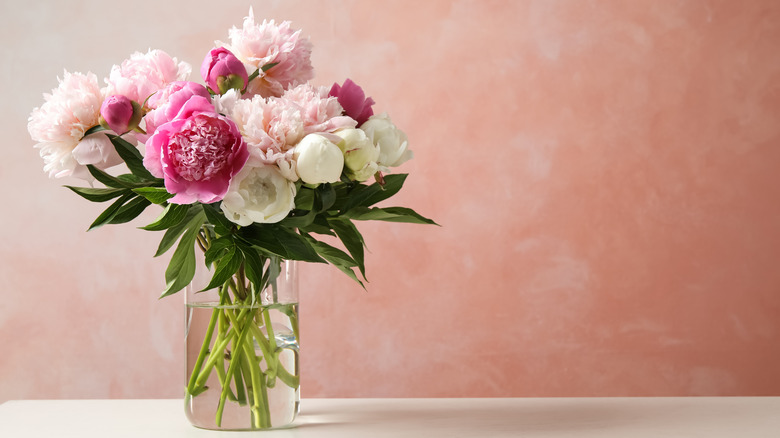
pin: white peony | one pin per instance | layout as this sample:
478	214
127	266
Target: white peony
360	154
258	194
392	142
318	160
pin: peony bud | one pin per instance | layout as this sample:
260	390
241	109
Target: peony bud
392	142
120	114
318	160
353	100
221	71
360	154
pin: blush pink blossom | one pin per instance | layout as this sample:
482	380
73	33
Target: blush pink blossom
58	127
197	153
143	74
353	100
259	45
320	113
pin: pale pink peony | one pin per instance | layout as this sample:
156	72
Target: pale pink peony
197	153
144	74
320	113
60	123
258	45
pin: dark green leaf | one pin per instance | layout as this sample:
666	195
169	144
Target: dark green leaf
173	215
108	180
132	157
366	196
337	258
326	196
319	225
282	242
97	194
387	214
181	268
155	195
304	199
221	224
352	240
218	248
194	218
227	266
253	264
130	211
109	213
94	129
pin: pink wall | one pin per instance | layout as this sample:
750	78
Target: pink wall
605	174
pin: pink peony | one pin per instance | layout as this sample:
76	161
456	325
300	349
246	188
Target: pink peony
259	45
144	74
197	153
60	123
168	102
320	113
354	101
221	70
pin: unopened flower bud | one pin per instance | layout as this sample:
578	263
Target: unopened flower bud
360	154
318	160
221	71
120	114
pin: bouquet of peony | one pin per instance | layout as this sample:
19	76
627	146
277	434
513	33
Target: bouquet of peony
249	169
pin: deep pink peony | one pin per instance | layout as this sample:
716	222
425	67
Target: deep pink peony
221	70
354	101
168	102
197	153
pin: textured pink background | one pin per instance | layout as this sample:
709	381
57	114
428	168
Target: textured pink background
605	173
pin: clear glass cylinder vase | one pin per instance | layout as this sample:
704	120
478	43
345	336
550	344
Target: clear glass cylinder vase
242	351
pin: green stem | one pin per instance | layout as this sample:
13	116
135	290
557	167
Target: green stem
234	360
203	350
254	371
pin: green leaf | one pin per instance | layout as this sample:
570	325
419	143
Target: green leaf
97	194
131	155
181	268
366	196
155	195
227	266
112	210
194	218
282	242
269	66
222	225
218	248
304	199
94	129
326	196
319	225
337	258
352	240
387	214
130	211
253	264
173	215
108	180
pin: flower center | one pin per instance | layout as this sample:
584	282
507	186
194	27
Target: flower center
202	148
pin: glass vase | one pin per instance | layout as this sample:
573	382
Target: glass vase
241	348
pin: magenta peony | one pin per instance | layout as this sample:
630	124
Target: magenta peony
197	153
353	100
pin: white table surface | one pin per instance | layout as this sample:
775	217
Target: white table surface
706	417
